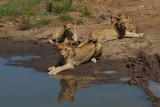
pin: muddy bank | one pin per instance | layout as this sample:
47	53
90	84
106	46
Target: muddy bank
141	68
145	68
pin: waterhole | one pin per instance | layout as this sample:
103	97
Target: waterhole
25	87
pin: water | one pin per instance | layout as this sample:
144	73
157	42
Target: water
155	88
24	87
110	72
14	59
125	79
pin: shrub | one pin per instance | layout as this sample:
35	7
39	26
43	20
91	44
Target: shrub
42	21
79	21
63	6
86	11
66	18
26	10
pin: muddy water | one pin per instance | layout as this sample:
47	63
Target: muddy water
24	87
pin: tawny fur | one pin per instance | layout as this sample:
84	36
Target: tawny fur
121	29
68	33
116	17
70	56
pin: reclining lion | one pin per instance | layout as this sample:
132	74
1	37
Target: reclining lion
70	56
116	17
121	29
68	33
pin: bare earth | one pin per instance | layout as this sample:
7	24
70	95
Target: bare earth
138	58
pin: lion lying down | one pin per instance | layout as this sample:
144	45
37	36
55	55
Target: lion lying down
120	28
68	33
70	56
119	17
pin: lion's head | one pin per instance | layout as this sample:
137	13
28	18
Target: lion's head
65	49
70	28
116	18
113	18
69	32
121	26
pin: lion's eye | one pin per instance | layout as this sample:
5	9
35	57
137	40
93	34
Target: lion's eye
65	49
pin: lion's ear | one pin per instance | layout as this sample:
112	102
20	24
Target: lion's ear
65	26
73	24
56	44
128	18
121	17
69	43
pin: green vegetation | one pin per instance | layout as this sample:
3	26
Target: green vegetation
16	7
79	21
49	6
28	11
66	18
36	13
43	21
63	6
86	11
36	23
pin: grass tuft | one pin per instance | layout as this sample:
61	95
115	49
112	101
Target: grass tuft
66	18
79	21
86	11
27	11
63	6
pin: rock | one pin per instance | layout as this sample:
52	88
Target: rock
93	60
95	72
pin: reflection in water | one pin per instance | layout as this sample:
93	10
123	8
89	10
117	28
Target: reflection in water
69	86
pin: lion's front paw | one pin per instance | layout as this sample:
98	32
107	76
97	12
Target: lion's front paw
51	41
142	34
53	72
51	68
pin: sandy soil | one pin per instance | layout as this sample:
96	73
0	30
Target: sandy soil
138	58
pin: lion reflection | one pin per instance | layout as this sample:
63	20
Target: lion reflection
69	86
